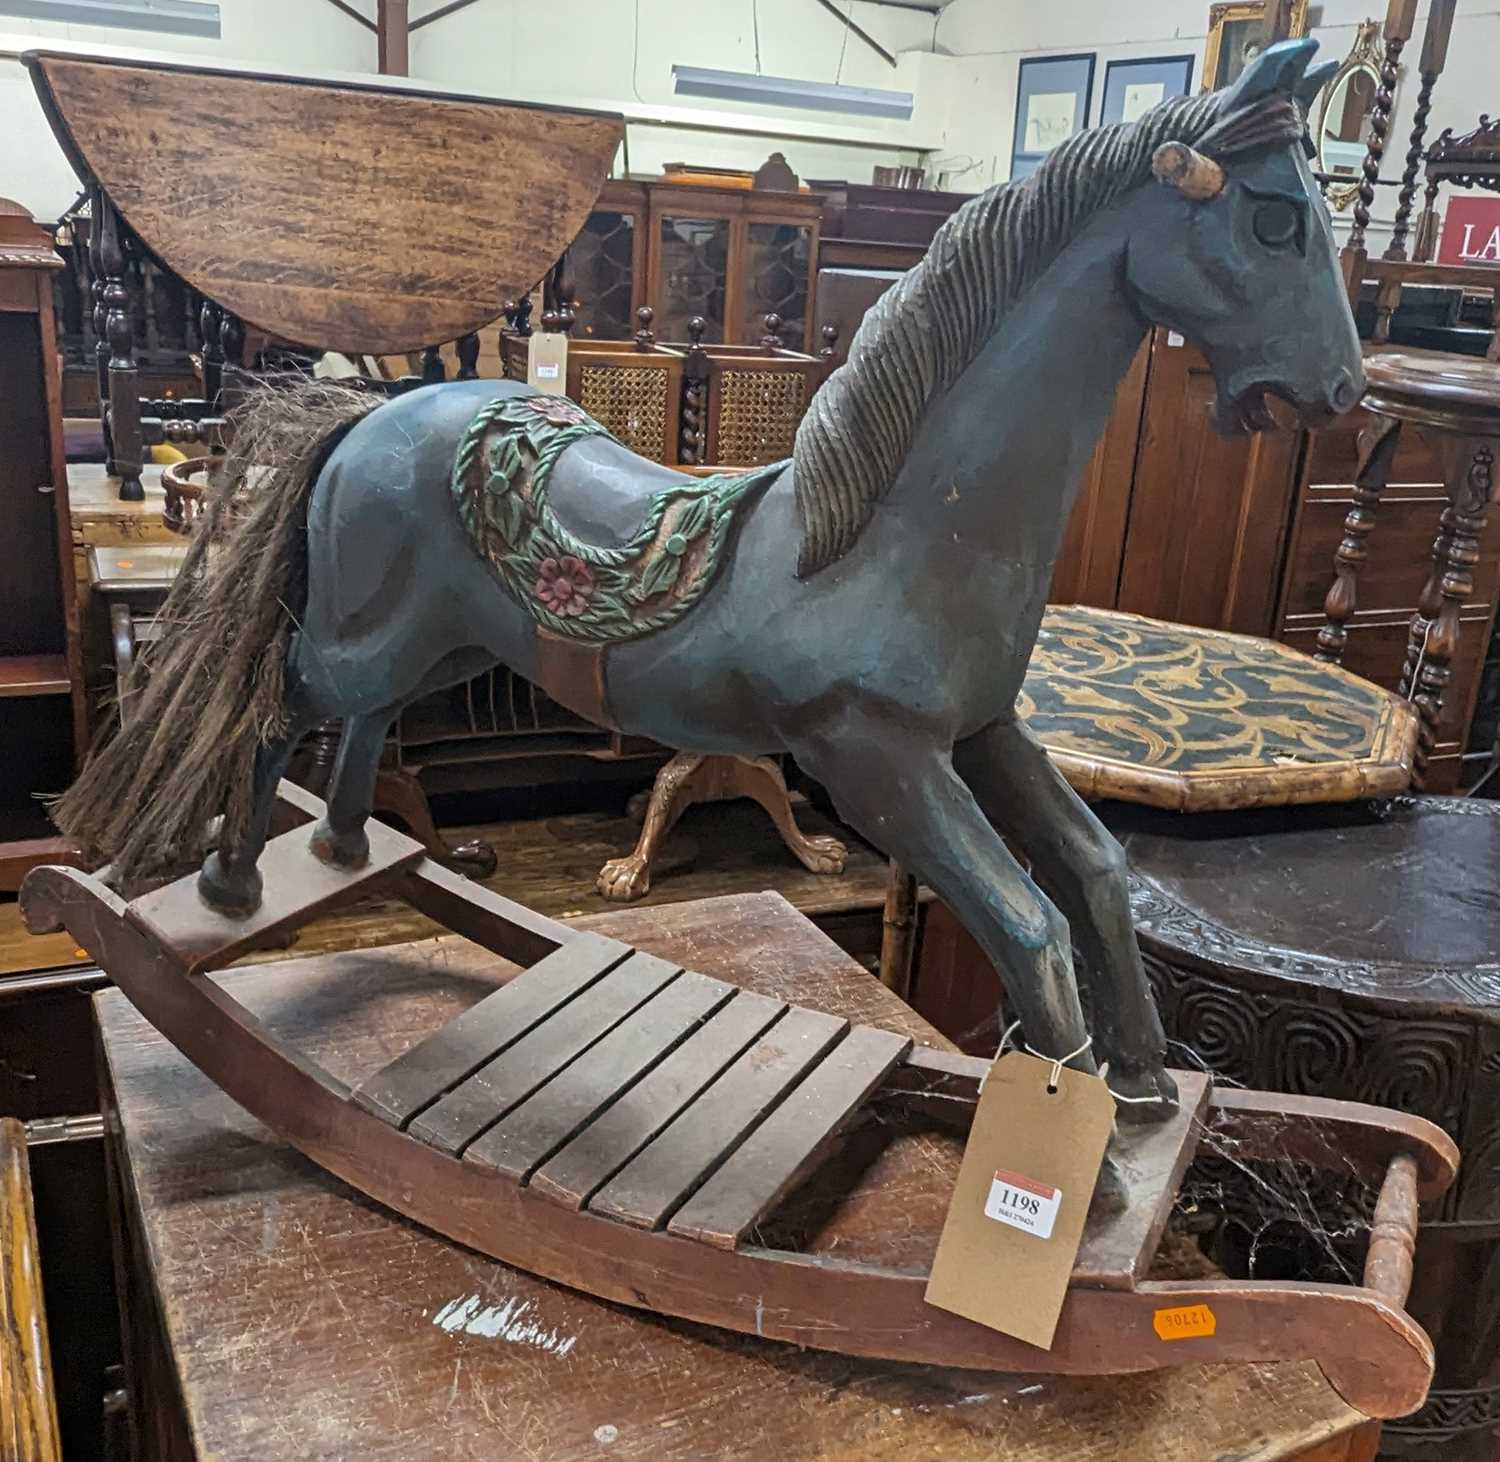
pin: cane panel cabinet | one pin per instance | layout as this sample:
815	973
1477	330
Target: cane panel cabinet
730	255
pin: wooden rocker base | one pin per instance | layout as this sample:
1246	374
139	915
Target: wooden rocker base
637	1131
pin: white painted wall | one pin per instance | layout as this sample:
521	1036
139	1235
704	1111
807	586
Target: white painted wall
619	54
988	38
266	33
606	53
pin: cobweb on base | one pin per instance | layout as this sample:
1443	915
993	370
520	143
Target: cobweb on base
1251	1216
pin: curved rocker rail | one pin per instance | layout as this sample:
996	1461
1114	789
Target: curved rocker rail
650	1225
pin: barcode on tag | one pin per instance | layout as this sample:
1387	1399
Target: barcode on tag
1023	1203
547	372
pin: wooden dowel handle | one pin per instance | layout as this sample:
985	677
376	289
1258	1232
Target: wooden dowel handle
1393	1236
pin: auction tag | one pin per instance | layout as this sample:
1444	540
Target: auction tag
547	360
1184	1322
1016	1217
1022	1203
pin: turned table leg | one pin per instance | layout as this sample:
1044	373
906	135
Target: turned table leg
1379	444
127	447
898	932
1469	464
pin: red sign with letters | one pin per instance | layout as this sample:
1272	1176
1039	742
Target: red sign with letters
1471	232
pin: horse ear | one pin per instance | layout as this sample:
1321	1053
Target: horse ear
1193	175
1314	79
1277	70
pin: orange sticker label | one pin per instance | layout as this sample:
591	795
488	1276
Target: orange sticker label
1186	1322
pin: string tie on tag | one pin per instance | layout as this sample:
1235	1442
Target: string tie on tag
1058	1062
1124	1100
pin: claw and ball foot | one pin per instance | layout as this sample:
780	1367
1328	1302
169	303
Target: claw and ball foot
689	778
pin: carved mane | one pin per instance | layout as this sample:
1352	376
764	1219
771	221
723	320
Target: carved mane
923	332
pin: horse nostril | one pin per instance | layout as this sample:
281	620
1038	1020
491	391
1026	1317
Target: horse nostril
1345	394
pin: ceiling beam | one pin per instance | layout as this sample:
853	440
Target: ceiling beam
863	34
452	7
393	36
352	13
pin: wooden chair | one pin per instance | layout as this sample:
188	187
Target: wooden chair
742	404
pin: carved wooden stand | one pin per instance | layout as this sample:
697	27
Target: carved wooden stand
689	778
1457	400
613	1123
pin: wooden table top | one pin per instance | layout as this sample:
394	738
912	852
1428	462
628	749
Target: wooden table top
307	1323
1200	720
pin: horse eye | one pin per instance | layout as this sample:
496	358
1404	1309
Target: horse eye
1276	223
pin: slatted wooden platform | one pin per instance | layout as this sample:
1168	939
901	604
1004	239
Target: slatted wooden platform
639	1091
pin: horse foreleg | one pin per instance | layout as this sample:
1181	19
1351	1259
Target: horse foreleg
1079	862
905	797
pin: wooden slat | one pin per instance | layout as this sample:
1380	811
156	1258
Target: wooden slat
454	1121
429	1070
649	1189
297	885
533	1131
29	675
616	1135
791	1142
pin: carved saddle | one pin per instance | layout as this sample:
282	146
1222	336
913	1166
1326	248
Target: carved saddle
608	549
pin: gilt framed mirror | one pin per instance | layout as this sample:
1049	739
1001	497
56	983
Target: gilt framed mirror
1237	35
1341	129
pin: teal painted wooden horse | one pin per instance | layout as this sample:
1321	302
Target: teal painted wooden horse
868	607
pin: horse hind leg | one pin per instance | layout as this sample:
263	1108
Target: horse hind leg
340	838
229	880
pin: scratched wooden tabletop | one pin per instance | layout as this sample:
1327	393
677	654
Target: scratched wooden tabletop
302	1321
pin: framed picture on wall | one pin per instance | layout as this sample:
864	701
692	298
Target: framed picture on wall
1052	105
1238	31
1133	87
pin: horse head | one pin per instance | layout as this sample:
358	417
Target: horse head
1236	251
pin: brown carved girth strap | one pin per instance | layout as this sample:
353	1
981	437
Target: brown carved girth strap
584	597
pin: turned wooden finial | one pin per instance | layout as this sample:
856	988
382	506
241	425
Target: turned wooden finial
523	315
830	334
696	326
771	340
1192	174
645	339
549	321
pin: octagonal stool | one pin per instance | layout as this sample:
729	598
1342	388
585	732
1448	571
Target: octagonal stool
1455	400
1352	952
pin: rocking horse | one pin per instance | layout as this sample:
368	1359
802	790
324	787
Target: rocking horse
868	608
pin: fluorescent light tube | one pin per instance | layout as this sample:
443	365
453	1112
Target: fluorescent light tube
783	91
174	17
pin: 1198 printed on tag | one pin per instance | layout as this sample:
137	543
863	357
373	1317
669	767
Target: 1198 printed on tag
1017	1214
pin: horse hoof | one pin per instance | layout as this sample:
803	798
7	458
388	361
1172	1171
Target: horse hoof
234	892
1110	1193
342	850
1152	1093
624	879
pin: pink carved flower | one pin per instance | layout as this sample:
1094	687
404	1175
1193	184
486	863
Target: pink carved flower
564	584
557	410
